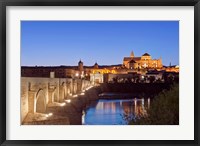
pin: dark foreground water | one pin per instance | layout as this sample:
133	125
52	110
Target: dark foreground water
111	112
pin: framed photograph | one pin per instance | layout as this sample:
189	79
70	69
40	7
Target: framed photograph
99	72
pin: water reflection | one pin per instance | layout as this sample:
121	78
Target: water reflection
111	112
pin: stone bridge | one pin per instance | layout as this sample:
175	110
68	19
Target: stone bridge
38	93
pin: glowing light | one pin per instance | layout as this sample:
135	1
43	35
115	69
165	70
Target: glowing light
50	114
47	115
142	101
62	104
148	102
112	71
83	117
121	103
68	100
77	74
82	94
75	95
135	106
88	88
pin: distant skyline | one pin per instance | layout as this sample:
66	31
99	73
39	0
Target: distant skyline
55	43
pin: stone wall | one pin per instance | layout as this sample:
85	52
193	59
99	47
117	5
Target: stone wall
37	93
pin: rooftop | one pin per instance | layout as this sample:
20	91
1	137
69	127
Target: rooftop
146	54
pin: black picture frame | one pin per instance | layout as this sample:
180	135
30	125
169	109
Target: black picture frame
5	3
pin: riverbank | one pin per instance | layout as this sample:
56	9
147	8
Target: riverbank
77	105
127	90
109	95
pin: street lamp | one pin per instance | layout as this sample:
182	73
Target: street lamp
77	74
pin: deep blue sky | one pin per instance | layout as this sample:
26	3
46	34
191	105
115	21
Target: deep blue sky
107	42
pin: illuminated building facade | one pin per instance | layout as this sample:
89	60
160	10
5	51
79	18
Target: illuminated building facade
101	73
145	61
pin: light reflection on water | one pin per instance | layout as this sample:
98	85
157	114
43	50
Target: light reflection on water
111	112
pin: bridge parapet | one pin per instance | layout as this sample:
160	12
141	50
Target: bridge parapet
37	93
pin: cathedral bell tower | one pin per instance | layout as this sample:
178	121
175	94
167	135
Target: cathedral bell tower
96	66
132	54
80	66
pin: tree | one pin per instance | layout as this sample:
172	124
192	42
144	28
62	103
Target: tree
164	109
158	80
152	79
129	80
115	79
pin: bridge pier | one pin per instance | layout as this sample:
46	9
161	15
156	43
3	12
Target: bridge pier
61	93
68	91
51	92
31	101
39	93
51	96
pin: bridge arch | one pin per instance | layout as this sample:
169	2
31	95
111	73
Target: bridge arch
40	106
68	88
62	90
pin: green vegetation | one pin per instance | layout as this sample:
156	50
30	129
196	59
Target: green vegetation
164	109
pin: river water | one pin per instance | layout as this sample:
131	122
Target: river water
113	111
